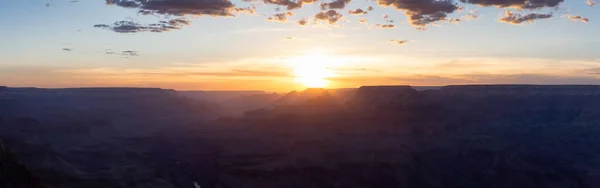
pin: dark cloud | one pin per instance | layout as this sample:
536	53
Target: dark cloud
399	41
454	20
129	53
520	4
336	4
516	18
330	16
578	18
134	27
281	17
178	7
370	8
303	21
67	49
289	4
422	12
357	11
385	26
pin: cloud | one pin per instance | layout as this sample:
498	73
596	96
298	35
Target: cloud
399	41
122	53
134	27
330	16
519	4
129	53
178	7
593	70
427	79
281	17
385	26
357	12
247	10
303	21
516	18
578	18
422	12
591	3
336	4
454	20
290	5
363	21
67	49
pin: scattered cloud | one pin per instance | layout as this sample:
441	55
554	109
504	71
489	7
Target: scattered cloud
335	4
591	3
67	49
364	21
303	21
125	53
516	18
357	11
281	17
399	41
385	26
422	12
178	7
129	53
134	27
578	18
289	4
330	16
454	20
247	10
519	4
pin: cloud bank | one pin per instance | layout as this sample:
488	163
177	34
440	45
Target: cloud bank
419	13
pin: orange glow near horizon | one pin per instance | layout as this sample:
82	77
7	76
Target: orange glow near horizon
314	70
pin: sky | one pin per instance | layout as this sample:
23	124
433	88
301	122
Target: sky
282	45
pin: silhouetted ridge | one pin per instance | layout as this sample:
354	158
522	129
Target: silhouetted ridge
386	97
309	95
522	89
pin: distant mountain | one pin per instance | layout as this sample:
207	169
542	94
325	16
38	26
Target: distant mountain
336	96
218	96
497	136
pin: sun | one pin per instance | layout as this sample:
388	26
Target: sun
313	70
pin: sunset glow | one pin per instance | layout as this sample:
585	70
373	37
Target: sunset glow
314	70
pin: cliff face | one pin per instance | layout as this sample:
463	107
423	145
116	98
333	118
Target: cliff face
13	174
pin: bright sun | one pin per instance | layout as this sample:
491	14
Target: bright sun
313	70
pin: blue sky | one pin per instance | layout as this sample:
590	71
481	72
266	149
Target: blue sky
245	51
